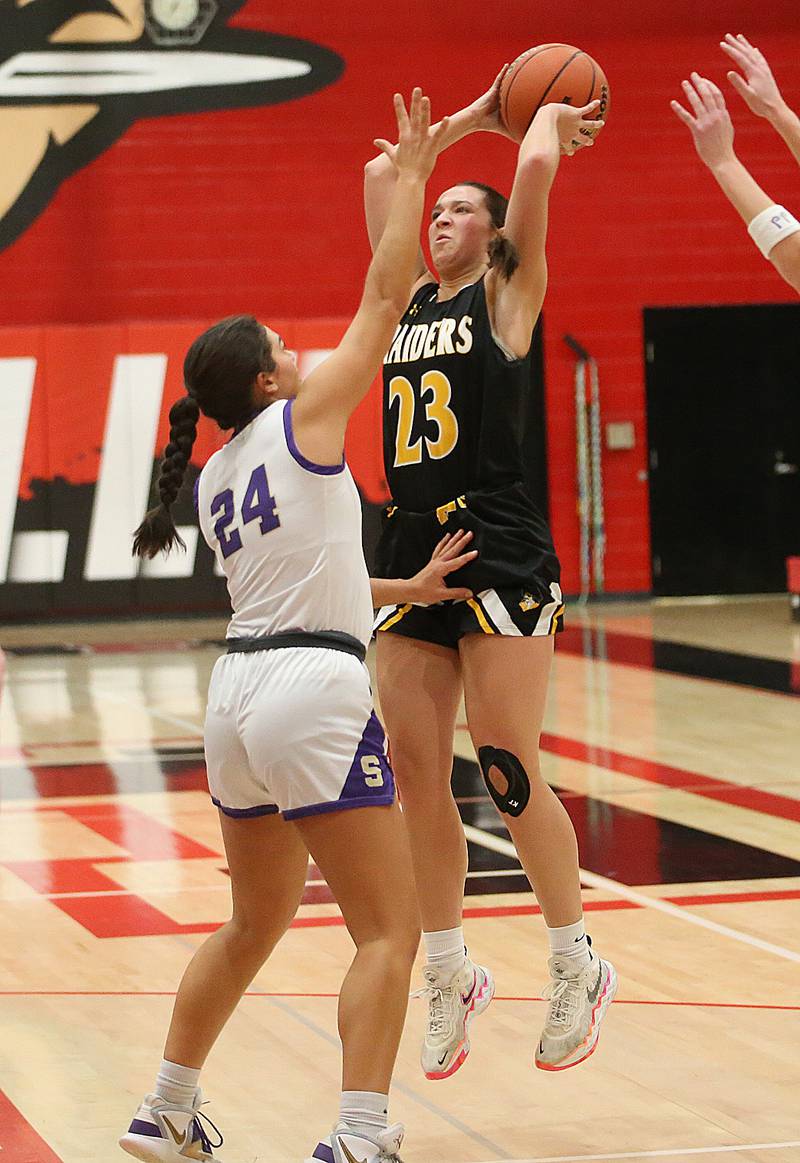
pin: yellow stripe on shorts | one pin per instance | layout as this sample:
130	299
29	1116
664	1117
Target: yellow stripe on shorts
479	614
554	624
395	618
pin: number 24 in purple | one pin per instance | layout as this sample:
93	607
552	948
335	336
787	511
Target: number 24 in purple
258	504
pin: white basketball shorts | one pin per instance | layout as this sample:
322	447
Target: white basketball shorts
294	731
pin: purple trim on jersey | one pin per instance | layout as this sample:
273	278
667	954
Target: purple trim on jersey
357	792
243	813
324	1153
321	469
380	801
138	1127
196	495
240	427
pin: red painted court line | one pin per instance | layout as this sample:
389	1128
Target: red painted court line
19	1143
173	928
768	803
752	798
735	898
129	915
716	898
142	835
718	1005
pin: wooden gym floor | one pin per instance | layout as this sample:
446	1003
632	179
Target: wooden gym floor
673	736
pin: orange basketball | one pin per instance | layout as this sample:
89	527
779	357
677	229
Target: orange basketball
550	73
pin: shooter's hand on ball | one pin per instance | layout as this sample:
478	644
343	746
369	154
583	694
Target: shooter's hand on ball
574	128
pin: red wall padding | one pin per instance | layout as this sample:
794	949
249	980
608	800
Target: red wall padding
201	216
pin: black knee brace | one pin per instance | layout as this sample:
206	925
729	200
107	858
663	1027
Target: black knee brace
514	800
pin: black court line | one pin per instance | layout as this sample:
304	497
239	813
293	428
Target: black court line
767	674
625	845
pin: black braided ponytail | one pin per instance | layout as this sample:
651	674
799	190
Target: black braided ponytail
157	531
503	255
219	371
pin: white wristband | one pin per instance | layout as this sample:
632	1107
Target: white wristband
770	227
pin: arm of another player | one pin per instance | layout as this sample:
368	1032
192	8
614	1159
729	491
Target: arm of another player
380	175
759	90
515	300
712	131
330	394
428	586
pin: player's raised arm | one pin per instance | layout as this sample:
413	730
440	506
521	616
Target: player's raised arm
333	390
380	175
774	230
759	89
518	286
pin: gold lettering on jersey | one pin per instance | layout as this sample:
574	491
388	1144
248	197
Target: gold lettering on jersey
444	511
437	410
413	341
465	335
400	389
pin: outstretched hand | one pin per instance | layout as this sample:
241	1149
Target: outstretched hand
757	88
709	121
418	143
428	586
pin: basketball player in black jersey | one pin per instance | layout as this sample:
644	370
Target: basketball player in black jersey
455	382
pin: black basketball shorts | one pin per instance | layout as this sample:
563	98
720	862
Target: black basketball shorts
510	612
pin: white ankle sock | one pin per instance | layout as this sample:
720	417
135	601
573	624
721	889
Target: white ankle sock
178	1084
445	951
570	941
364	1110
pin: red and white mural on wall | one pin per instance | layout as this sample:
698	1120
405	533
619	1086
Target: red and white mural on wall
76	74
172	160
83	420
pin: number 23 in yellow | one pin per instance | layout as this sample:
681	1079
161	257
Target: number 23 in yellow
437	409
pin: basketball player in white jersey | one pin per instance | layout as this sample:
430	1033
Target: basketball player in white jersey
295	755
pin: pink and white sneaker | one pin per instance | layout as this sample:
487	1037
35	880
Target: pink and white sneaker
579	999
451	1007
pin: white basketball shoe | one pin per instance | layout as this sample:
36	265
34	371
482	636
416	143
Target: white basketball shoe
578	1000
451	1007
346	1146
163	1131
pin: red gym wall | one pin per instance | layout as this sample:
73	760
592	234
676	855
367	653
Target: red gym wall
196	216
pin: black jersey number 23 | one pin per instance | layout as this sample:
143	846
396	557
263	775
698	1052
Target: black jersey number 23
437	410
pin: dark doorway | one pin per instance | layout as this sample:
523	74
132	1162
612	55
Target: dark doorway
723	416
